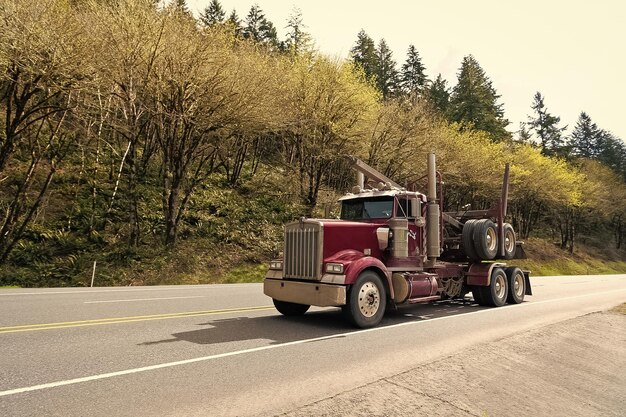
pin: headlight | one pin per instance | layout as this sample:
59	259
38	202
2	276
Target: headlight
334	268
276	265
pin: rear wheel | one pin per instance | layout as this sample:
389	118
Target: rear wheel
290	309
509	241
517	285
495	294
367	301
477	292
467	238
485	239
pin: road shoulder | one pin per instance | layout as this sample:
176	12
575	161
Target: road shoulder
570	368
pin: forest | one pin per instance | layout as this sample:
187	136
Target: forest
144	145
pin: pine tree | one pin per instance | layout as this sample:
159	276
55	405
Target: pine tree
585	137
181	5
258	28
297	39
363	54
612	152
234	21
412	77
437	94
212	14
545	126
523	134
474	101
387	78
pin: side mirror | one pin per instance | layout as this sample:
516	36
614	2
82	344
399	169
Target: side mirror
382	233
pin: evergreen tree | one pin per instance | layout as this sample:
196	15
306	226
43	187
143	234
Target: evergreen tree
258	28
523	134
234	21
181	5
297	39
212	14
585	138
612	152
413	79
363	54
546	127
387	78
437	94
475	101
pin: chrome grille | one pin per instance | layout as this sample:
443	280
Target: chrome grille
303	250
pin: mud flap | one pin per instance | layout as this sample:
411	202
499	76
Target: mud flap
529	291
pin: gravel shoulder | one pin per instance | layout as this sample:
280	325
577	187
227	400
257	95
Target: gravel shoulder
572	368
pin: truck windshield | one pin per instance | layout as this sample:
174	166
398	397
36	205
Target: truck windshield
367	208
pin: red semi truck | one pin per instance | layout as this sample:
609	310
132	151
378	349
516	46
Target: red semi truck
392	246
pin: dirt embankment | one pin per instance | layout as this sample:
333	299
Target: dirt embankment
573	368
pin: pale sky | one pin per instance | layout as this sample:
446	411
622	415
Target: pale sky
573	52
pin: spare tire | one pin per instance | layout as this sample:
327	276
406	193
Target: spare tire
467	239
510	241
486	239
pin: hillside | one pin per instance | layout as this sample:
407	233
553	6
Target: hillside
166	149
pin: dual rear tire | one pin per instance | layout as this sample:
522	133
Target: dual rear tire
506	285
480	240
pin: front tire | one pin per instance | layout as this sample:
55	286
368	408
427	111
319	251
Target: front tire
290	309
367	301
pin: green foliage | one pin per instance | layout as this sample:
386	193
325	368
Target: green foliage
213	14
363	54
387	77
474	101
171	152
413	79
437	94
546	127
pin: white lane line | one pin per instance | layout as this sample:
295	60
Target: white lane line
138	289
141	299
277	346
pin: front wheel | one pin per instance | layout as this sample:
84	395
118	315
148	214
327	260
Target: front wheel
367	301
290	309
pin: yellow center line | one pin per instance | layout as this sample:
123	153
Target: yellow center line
130	319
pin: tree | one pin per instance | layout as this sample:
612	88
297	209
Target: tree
437	94
412	77
474	101
363	54
325	108
584	139
297	40
523	134
387	78
612	152
259	29
212	14
235	23
546	127
42	78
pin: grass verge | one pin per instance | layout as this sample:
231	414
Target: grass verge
621	309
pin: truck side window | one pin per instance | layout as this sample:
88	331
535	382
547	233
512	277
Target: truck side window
404	208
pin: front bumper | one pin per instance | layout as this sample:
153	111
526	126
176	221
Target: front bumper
309	293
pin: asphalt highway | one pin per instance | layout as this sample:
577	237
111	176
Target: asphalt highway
222	350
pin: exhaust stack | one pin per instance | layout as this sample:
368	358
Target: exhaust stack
432	228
